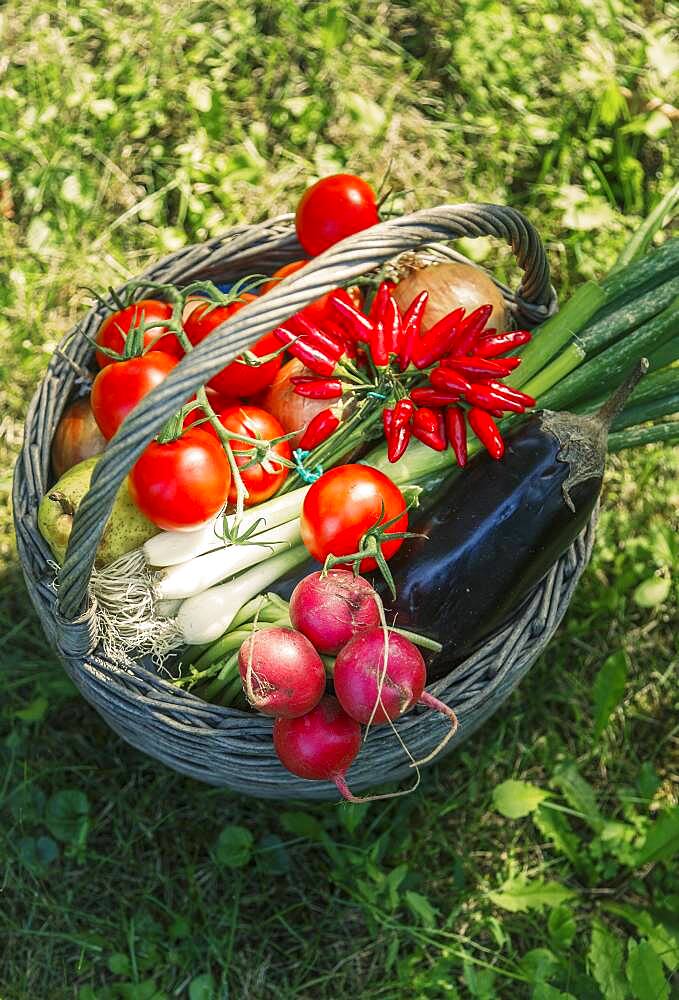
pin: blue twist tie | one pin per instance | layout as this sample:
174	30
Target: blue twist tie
376	395
306	475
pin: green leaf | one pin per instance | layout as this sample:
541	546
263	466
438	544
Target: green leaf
555	825
652	591
519	894
479	981
352	815
27	803
234	847
517	798
609	687
662	839
561	927
605	958
645	973
119	964
202	987
543	991
578	793
421	908
37	853
146	990
34	711
665	942
302	825
663	541
67	816
648	781
539	964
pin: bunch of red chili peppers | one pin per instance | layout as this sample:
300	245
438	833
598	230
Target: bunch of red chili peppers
428	375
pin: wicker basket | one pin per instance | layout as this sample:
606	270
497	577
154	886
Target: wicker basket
218	745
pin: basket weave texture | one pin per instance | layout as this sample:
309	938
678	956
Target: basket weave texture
218	745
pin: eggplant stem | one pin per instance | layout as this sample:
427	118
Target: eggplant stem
612	407
437	706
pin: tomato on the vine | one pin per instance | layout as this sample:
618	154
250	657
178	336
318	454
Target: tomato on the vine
115	328
344	504
183	483
264	477
119	387
332	209
238	378
217	402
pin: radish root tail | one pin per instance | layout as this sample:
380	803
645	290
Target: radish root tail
347	794
437	706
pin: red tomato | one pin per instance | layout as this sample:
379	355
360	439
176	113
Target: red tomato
238	378
345	503
118	388
115	328
217	403
264	478
281	273
333	208
181	484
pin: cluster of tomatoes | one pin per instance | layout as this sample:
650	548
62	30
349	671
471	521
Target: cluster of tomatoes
183	479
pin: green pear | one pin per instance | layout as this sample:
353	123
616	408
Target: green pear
126	529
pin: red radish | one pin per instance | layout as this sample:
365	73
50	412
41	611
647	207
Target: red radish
321	745
331	609
374	695
282	673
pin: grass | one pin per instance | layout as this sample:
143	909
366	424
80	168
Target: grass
129	131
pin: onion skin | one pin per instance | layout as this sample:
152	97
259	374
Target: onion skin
292	411
76	438
450	286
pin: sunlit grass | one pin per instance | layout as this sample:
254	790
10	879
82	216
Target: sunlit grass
125	132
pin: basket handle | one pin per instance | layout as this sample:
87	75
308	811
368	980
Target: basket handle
338	265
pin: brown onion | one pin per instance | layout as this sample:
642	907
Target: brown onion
76	438
450	286
292	411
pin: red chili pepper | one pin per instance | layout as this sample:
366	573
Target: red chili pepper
397	428
473	366
317	388
437	340
444	378
412	322
387	421
326	339
470	329
378	303
319	429
429	428
393	325
397	442
486	431
490	346
403	411
377	344
456	432
511	393
356	326
428	396
490	399
311	356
